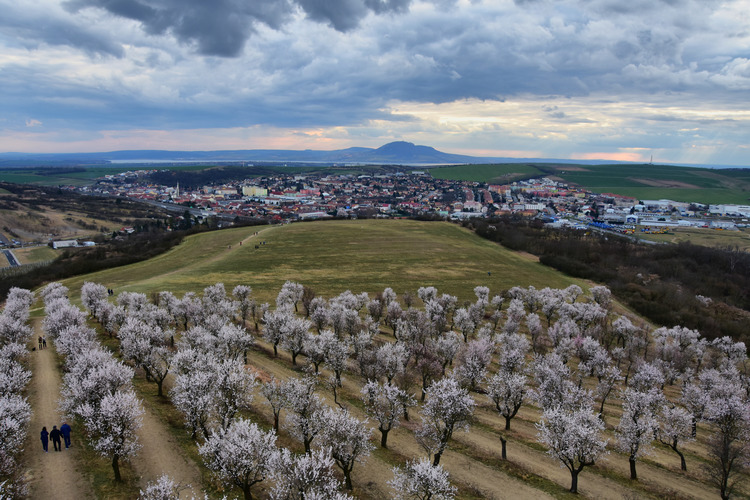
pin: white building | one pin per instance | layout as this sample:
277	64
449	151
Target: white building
732	210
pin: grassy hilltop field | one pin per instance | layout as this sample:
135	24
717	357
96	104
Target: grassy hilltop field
334	256
331	257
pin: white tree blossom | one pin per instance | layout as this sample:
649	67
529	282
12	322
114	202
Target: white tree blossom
192	394
304	419
385	403
13	377
293	335
391	359
92	375
512	350
308	476
675	427
420	480
573	436
15	413
275	393
113	426
348	439
233	388
507	391
242	455
289	295
472	362
729	446
164	488
448	408
638	424
93	295
274	327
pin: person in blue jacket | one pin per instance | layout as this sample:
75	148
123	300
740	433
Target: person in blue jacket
65	431
45	438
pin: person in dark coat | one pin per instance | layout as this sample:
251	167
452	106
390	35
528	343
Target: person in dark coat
45	438
55	435
65	431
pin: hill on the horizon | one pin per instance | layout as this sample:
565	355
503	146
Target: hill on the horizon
398	152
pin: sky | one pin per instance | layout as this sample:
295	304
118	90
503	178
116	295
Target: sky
574	79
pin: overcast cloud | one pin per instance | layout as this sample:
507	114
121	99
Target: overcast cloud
570	79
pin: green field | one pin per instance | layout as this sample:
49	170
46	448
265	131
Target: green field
687	184
30	255
331	257
650	182
76	176
491	174
706	237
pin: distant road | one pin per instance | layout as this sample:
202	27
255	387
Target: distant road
11	258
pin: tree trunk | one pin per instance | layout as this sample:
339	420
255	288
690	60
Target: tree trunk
159	384
384	438
275	352
673	445
633	474
507	423
574	481
246	491
348	479
503	443
116	467
276	422
294	358
436	460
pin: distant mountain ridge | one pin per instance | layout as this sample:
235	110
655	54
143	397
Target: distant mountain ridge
394	153
399	152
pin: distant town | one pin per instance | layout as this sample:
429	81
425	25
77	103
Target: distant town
416	193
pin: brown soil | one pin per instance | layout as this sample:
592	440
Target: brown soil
160	454
662	183
53	474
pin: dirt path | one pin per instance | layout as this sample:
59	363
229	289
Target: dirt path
53	474
160	454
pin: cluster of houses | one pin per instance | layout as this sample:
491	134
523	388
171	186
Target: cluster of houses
304	197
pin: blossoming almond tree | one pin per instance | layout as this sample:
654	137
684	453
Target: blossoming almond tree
420	480
242	455
573	436
113	426
348	439
448	408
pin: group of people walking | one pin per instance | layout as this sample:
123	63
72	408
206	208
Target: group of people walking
56	434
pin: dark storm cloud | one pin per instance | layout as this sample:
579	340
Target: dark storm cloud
219	27
29	29
222	27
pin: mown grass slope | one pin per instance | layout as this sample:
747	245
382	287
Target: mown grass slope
333	256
